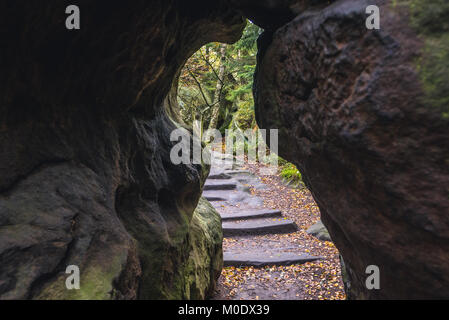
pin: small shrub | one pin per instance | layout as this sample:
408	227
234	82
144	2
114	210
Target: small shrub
290	174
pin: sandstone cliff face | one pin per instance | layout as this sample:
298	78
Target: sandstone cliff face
85	173
355	115
206	253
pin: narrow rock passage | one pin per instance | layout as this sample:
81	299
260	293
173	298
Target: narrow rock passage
265	253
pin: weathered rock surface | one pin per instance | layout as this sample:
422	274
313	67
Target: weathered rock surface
206	253
354	114
258	227
319	231
85	171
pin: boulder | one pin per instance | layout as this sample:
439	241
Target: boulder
319	231
363	114
85	171
86	116
206	253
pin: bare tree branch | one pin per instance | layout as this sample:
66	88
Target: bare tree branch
199	85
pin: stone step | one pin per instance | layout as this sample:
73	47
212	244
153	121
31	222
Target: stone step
218	155
265	259
226	166
232	196
218	175
251	214
216	195
220	185
226	160
238	172
258	227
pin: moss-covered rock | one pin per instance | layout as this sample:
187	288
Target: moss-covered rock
85	171
206	255
364	126
430	18
319	231
291	176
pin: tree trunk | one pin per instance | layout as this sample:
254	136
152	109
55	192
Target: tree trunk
219	89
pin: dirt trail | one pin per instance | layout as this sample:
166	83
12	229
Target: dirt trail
267	251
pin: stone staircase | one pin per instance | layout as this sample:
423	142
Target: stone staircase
245	217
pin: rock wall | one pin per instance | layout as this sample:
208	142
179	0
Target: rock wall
85	173
364	115
206	253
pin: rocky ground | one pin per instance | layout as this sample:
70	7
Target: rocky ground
315	280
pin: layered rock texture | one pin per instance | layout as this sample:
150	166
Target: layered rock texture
85	122
85	171
363	114
206	253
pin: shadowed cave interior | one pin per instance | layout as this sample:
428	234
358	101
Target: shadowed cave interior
86	117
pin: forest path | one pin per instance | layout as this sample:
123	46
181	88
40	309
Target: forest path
267	253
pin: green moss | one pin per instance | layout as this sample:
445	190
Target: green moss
206	255
96	281
291	175
433	69
430	18
245	117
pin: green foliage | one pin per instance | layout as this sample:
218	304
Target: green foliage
243	65
244	117
191	103
290	173
434	74
430	18
197	94
282	162
239	140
